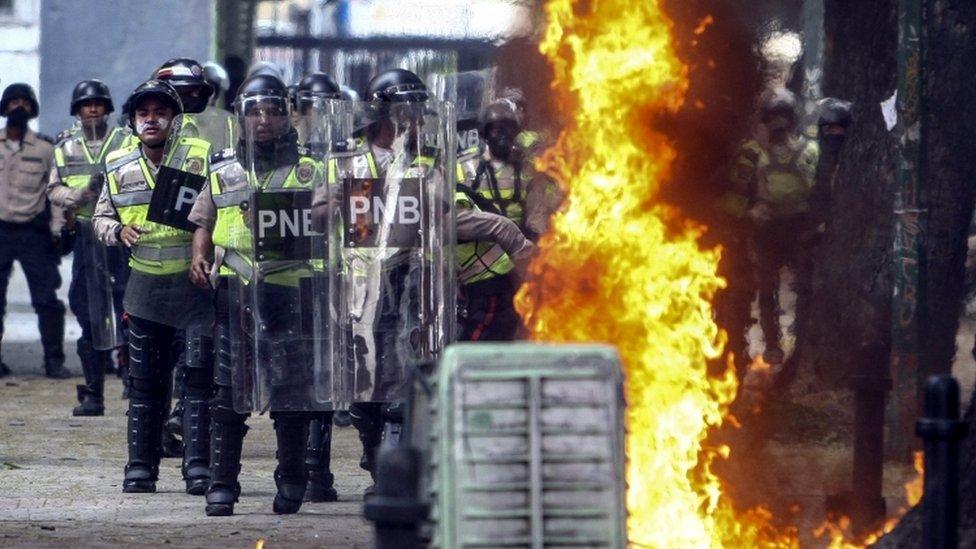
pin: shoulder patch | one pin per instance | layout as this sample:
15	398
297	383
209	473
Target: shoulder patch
220	156
64	136
194	165
304	172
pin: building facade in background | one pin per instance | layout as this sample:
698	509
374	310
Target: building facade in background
20	32
118	41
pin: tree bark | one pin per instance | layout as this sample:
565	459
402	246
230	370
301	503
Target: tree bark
950	180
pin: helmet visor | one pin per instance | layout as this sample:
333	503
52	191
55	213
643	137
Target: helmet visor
264	117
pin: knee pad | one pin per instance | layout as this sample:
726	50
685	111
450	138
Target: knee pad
153	389
222	407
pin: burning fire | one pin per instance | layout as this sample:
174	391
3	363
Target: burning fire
620	267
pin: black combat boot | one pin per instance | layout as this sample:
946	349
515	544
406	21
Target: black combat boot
318	460
226	442
368	420
196	446
290	476
144	424
91	394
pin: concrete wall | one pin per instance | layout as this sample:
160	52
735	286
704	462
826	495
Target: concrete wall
20	33
118	41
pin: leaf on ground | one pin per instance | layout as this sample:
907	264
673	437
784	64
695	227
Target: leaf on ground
9	465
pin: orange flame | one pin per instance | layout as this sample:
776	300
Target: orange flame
618	266
615	269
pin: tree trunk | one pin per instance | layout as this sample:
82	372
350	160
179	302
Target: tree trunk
950	181
852	281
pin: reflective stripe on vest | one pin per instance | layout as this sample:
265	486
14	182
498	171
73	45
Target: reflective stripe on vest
482	259
161	250
232	198
165	253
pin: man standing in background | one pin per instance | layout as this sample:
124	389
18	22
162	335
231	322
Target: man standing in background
29	227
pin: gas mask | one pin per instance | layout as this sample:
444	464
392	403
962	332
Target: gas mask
832	143
18	117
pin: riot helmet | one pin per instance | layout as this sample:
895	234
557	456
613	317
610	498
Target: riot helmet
217	77
159	90
500	125
315	87
88	90
19	90
187	77
266	68
832	124
262	107
397	85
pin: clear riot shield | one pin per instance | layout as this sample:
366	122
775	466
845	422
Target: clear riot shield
103	271
395	271
283	279
470	92
183	173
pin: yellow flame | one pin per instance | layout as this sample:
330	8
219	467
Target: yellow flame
259	544
618	266
915	487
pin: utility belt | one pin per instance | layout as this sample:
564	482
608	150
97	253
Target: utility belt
41	222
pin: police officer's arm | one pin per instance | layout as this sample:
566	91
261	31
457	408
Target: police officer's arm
476	225
204	216
62	195
542	198
105	221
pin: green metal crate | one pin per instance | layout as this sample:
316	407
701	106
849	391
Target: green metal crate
524	446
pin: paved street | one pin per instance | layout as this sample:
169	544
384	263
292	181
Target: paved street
60	477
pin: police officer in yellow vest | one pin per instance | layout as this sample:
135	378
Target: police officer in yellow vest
269	159
377	274
505	176
29	228
492	253
74	184
159	298
312	91
773	181
199	120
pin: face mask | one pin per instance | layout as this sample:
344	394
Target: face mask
832	144
18	118
193	104
501	146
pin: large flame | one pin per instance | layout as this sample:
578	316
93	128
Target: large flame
618	266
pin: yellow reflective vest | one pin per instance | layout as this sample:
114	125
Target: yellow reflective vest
161	249
782	178
481	259
76	164
231	187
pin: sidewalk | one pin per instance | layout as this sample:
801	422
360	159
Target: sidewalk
60	476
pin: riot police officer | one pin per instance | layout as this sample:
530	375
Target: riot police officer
29	229
311	91
270	293
219	81
505	177
159	299
98	275
395	153
772	184
200	120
